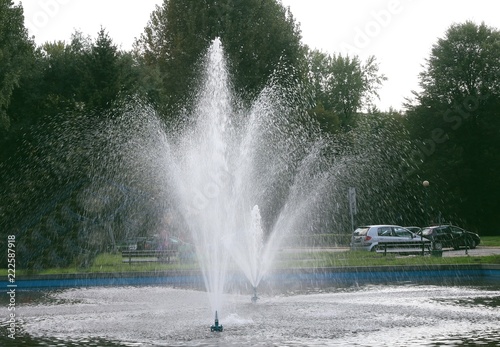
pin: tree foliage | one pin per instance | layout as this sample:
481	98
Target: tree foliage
88	74
65	99
259	37
463	64
16	50
456	120
342	86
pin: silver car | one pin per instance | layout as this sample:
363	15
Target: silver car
368	237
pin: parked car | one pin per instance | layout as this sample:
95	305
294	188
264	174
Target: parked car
368	237
451	236
414	229
127	245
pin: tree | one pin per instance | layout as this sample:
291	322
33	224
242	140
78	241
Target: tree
342	86
16	60
318	75
16	51
463	64
259	37
101	83
456	119
59	140
85	74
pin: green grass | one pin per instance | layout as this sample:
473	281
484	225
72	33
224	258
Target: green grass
490	241
361	258
108	263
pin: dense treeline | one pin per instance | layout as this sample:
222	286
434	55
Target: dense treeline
57	102
259	37
456	120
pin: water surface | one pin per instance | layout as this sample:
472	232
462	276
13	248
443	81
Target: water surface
365	315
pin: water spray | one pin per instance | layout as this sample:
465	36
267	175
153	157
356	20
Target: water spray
255	297
216	326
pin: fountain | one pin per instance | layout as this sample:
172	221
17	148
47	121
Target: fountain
237	177
232	163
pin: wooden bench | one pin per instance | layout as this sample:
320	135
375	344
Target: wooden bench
404	247
158	255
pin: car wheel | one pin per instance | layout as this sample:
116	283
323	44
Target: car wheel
471	244
438	246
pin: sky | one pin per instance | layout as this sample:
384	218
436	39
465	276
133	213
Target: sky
399	33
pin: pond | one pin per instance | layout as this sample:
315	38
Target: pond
401	314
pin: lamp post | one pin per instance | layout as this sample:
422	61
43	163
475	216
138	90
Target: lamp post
426	202
426	210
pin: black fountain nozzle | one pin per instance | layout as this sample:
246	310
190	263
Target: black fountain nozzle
255	297
216	326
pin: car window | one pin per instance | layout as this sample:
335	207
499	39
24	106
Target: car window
441	231
427	231
451	231
360	231
384	231
456	230
402	232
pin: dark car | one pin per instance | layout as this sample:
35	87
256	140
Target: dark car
450	236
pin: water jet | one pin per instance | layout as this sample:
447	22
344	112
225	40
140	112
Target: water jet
243	177
254	297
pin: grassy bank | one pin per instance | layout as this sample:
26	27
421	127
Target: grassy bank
109	262
490	241
112	263
361	258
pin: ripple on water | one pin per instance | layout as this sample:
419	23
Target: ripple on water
160	316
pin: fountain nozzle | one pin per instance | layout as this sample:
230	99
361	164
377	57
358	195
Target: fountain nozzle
254	297
216	326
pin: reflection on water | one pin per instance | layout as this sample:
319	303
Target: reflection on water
363	315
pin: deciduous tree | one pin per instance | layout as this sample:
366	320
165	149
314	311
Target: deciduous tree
16	51
259	37
456	119
343	85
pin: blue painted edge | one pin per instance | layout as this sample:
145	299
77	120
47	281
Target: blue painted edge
195	278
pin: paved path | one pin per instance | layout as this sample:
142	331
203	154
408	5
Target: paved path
478	252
